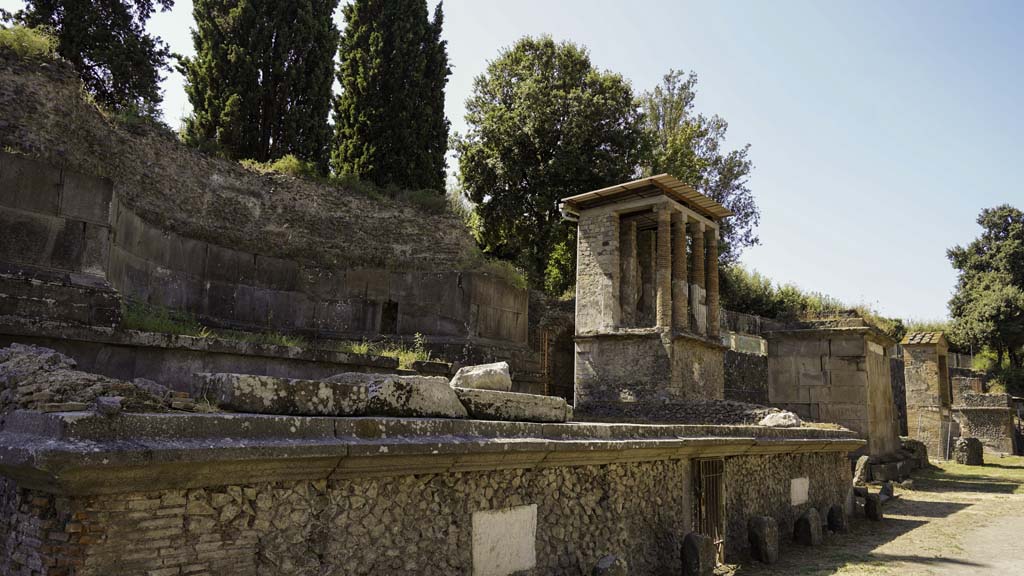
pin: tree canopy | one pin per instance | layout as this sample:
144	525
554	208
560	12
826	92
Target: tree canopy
988	305
390	127
690	147
260	82
107	43
544	124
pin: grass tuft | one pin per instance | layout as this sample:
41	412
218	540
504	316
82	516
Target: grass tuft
28	42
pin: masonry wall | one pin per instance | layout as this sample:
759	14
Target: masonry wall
746	377
64	220
397	525
761	486
597	275
989	418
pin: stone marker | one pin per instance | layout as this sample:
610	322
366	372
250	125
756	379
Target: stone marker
886	492
781	419
969	451
610	566
763	532
838	522
349	394
872	507
807	530
699	558
484	377
860	474
512	406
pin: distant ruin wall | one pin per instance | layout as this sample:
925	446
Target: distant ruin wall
746	377
60	219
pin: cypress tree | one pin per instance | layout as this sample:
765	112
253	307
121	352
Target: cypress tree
107	43
260	83
390	127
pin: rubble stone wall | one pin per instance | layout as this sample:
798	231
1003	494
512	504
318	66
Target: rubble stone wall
746	377
993	426
761	486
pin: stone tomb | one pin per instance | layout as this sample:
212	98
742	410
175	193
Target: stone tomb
837	371
929	390
647	303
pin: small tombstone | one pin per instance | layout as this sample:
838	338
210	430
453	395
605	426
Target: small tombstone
610	565
699	556
860	474
872	507
763	532
969	451
837	519
808	528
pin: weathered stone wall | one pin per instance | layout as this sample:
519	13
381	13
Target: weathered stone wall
838	375
899	391
697	370
763	486
622	367
597	273
990	419
405	524
746	377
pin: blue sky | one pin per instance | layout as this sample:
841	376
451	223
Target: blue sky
878	129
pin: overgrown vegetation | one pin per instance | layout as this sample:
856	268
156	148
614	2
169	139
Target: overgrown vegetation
750	292
33	43
405	354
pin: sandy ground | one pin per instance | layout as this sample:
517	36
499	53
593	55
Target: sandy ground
958	520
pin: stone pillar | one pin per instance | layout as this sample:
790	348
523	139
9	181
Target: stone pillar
697	258
714	327
663	270
597	271
680	291
628	265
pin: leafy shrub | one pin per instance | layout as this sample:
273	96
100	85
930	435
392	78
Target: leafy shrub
288	164
28	42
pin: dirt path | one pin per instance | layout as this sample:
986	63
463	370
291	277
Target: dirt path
958	520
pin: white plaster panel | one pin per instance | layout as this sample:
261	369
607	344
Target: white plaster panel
504	541
798	489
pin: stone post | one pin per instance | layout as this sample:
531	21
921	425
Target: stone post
697	258
697	279
680	291
714	326
663	270
628	265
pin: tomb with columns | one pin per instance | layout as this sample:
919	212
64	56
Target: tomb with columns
647	307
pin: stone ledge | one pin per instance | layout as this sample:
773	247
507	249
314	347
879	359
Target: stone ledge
83	453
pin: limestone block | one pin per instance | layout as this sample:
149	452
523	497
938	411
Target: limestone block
610	566
494	376
781	419
512	406
349	394
504	540
763	532
849	379
837	519
853	346
807	530
861	472
699	556
86	197
885	472
28	185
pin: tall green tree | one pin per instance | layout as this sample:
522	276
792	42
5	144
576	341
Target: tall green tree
260	82
544	124
390	127
988	305
107	43
691	147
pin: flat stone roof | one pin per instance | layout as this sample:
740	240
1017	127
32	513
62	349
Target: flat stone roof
86	453
912	338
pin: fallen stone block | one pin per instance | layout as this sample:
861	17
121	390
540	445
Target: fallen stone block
807	530
763	532
837	519
969	451
860	473
349	394
494	376
512	406
781	419
699	557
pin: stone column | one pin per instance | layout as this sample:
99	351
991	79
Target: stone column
698	279
628	265
663	270
680	291
714	328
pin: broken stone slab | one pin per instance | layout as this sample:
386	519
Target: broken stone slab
432	367
349	394
512	406
860	473
807	530
699	556
763	532
781	419
494	376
